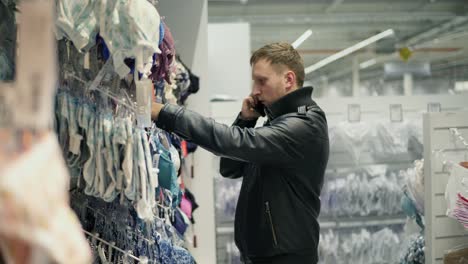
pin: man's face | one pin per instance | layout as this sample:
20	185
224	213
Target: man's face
269	84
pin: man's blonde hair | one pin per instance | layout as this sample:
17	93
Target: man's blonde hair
279	54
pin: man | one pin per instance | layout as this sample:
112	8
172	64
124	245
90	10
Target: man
282	163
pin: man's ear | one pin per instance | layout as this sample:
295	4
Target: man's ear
290	80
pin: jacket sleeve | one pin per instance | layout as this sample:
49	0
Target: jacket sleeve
284	142
231	168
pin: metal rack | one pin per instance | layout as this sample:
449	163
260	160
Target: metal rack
93	236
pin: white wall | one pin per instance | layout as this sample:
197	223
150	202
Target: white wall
228	56
188	21
202	184
184	20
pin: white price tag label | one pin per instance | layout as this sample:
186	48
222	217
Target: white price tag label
156	160
75	144
144	89
86	60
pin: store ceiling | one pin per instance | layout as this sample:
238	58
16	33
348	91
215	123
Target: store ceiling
437	30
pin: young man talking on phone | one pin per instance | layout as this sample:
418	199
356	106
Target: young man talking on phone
282	163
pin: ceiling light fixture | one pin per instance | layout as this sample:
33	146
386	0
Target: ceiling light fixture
302	38
367	64
349	50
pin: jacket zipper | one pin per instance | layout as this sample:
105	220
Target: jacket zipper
268	212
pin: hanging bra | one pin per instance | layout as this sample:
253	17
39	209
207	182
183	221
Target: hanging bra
167	176
130	30
77	21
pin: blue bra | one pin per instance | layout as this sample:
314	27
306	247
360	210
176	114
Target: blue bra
167	176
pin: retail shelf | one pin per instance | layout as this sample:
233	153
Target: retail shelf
342	160
395	166
343	222
364	221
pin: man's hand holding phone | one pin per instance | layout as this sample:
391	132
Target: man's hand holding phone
252	108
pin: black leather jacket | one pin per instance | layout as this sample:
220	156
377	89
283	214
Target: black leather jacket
282	165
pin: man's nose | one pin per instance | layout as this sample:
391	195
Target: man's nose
255	90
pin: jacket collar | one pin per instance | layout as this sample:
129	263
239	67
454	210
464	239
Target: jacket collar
290	102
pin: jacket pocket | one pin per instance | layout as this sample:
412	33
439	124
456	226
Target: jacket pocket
270	222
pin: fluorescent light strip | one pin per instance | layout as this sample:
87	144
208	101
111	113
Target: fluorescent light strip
302	38
348	51
367	64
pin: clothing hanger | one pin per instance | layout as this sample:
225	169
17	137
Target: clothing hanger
95	237
102	254
95	85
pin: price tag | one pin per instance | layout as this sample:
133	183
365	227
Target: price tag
144	93
86	61
75	143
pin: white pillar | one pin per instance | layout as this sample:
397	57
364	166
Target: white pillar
356	83
408	84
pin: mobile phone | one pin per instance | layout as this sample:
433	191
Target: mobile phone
260	108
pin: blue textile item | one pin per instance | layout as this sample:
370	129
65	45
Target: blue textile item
161	32
179	223
167	176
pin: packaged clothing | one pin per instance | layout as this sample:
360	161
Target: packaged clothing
461	212
34	212
391	139
354	137
457	184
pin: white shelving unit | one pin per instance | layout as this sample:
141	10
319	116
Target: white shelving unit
442	233
371	109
